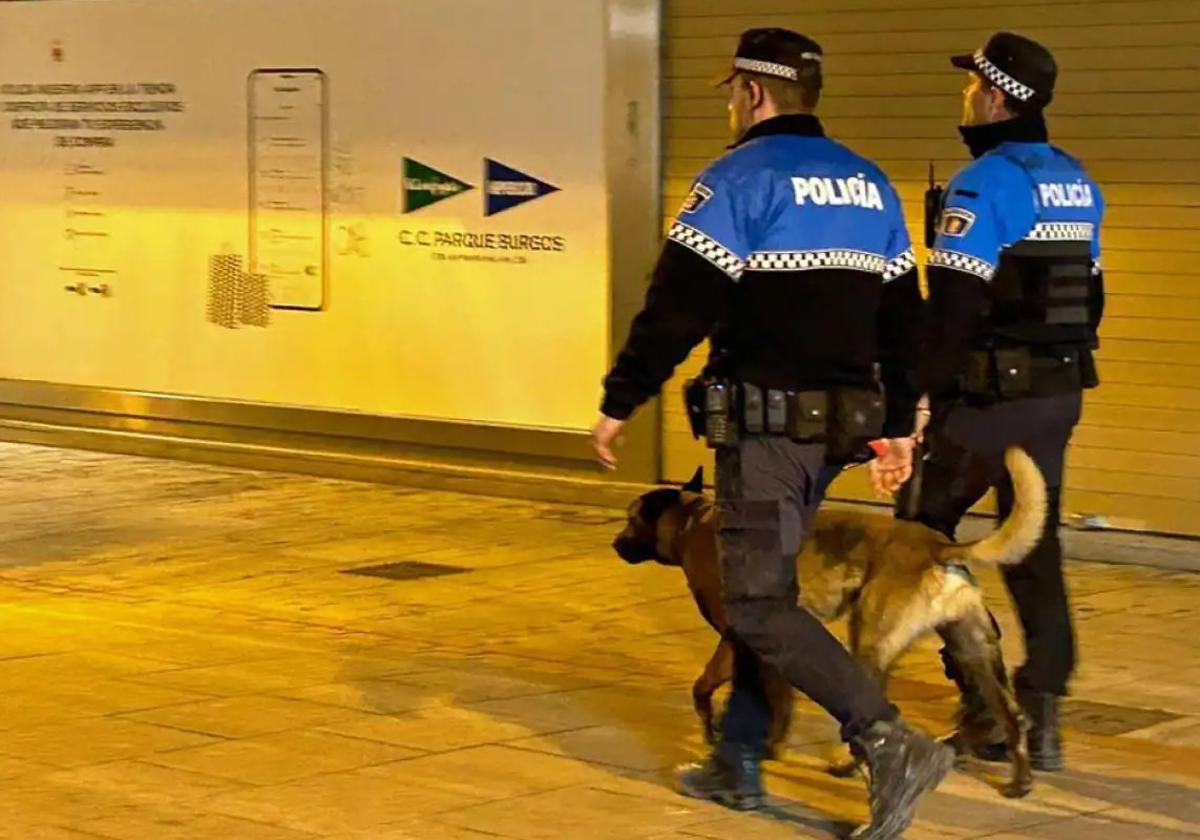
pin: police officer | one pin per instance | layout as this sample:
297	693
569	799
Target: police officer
791	254
1015	299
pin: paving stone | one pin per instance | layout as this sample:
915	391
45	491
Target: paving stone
283	757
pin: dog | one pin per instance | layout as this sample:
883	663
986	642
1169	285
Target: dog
677	527
895	581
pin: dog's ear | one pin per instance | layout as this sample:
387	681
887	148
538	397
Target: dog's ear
696	484
657	502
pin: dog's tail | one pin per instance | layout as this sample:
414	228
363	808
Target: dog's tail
1016	537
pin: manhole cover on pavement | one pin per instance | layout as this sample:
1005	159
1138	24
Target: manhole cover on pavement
406	570
1103	719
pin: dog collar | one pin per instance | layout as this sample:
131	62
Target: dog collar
690	518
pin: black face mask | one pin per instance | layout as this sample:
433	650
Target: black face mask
981	139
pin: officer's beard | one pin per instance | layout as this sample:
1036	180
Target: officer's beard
739	124
741	109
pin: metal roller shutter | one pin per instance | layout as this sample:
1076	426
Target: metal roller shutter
1128	104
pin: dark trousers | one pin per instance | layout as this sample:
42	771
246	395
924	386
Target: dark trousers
966	458
767	497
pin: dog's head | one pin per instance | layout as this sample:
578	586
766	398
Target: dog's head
639	541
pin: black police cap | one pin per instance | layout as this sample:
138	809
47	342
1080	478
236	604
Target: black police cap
1019	66
774	52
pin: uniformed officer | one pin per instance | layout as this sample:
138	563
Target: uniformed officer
1015	298
791	254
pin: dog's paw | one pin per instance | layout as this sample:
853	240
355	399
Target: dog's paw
1017	789
1021	784
843	768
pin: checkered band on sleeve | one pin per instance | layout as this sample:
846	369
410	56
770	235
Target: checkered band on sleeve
809	260
709	248
1097	269
1002	80
1062	232
962	262
899	266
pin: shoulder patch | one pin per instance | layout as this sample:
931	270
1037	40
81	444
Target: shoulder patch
956	221
697	198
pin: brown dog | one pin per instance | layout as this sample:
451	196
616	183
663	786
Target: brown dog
677	528
895	580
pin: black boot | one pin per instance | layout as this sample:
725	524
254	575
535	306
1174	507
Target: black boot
903	765
735	783
1045	742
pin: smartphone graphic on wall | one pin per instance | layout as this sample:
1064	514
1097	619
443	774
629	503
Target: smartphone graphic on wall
288	129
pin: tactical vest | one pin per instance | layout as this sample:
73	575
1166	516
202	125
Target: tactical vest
1039	294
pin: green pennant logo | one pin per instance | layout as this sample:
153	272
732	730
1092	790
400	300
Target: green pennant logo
424	185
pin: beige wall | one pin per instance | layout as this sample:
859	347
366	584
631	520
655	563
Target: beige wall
410	323
1128	105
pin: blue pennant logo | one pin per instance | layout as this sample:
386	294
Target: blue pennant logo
505	188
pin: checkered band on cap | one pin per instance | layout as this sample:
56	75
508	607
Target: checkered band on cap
1062	232
810	260
771	68
1002	80
962	262
707	247
899	266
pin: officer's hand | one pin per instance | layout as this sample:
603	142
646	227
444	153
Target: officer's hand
892	465
604	434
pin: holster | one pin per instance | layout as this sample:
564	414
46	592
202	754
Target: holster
712	409
693	401
856	419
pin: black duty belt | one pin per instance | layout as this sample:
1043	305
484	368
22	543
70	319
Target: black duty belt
723	412
1018	372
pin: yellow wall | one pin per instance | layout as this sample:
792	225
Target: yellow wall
1128	104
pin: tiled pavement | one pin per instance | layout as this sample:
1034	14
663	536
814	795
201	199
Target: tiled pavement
182	655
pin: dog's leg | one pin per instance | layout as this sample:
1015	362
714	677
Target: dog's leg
874	661
869	658
717	673
854	628
876	644
864	645
782	698
976	648
895	632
